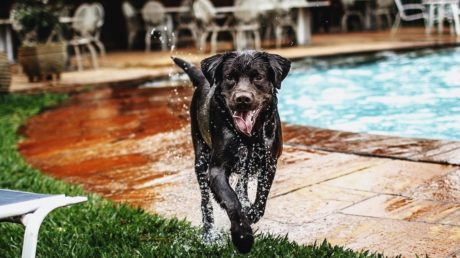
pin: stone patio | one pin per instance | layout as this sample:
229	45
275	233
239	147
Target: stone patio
385	194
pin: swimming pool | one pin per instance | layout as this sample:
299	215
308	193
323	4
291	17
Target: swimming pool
415	94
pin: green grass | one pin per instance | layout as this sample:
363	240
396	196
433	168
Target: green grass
100	228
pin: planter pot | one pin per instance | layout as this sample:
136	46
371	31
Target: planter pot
43	62
5	73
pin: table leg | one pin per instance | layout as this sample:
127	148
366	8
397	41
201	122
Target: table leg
303	26
368	16
431	18
456	13
9	44
440	18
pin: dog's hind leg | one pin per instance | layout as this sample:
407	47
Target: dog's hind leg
201	171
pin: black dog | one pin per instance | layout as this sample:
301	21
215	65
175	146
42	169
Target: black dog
236	129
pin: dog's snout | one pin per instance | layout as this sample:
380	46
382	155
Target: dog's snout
243	98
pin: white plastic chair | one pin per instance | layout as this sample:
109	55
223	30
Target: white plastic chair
206	16
30	209
403	15
283	22
84	25
383	9
349	12
153	14
186	22
132	22
98	9
247	23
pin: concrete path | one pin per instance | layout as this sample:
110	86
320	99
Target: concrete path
398	196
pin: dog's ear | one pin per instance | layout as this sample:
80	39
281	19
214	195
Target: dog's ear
211	66
280	67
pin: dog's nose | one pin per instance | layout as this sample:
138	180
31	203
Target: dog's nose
243	98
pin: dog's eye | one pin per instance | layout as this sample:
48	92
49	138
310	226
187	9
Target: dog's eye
229	77
258	77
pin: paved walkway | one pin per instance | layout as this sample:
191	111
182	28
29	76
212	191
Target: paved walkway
398	196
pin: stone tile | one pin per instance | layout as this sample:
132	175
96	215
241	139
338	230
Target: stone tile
392	237
451	219
392	176
445	188
301	167
403	208
311	203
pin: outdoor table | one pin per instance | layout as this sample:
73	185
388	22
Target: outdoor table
303	15
6	40
440	6
30	209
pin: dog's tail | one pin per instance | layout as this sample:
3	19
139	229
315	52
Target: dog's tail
195	74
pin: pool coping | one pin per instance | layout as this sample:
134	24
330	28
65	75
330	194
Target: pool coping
363	144
373	145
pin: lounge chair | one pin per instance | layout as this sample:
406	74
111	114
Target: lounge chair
30	209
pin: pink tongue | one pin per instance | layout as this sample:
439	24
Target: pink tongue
243	122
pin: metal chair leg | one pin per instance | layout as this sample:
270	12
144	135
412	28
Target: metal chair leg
214	41
147	41
93	54
78	57
257	42
396	24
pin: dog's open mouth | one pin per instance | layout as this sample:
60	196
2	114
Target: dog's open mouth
245	120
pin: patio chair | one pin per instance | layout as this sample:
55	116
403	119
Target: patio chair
207	20
186	22
133	25
30	209
247	23
84	24
349	11
283	22
155	19
383	9
409	12
98	9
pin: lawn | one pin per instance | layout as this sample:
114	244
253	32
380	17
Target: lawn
100	228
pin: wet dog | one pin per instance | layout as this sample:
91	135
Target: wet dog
236	129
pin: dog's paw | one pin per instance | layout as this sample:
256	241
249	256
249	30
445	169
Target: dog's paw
242	237
212	236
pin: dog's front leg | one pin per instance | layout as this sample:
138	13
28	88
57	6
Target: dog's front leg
242	191
264	183
240	229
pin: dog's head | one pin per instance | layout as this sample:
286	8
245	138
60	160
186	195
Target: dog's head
248	82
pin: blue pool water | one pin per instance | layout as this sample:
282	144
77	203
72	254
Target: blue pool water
415	94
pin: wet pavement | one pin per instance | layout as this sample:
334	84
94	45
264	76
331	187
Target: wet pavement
133	145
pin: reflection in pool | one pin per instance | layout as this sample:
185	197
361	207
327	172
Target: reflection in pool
415	94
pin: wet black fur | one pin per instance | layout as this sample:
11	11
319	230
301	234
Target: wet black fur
231	151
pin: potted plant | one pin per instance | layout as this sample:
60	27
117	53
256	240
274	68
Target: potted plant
5	74
42	54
